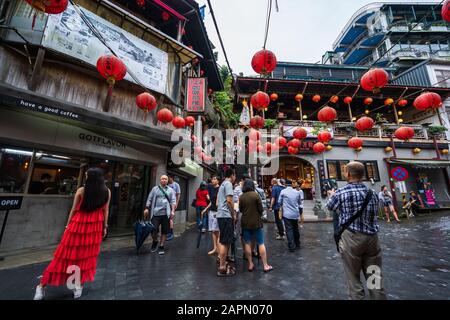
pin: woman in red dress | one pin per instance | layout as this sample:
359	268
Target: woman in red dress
75	259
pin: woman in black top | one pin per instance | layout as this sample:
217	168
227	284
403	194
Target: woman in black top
213	226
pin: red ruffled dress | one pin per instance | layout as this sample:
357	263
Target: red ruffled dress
80	246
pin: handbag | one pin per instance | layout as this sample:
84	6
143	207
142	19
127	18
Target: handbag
193	204
339	229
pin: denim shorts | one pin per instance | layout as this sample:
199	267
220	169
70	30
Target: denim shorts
253	234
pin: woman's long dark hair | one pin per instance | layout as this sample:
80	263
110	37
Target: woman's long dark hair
248	186
95	191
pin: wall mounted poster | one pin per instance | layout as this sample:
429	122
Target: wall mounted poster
67	33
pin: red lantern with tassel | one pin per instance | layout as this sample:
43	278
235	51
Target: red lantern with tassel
428	100
404	133
299	97
165	16
292	150
264	62
316	98
445	12
348	100
327	114
374	79
257	122
145	101
368	101
300	133
178	122
355	143
281	142
164	115
274	97
190	120
260	100
111	68
324	136
364	123
319	147
334	99
402	103
49	6
294	143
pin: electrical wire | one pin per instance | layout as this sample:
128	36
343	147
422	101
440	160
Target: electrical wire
266	30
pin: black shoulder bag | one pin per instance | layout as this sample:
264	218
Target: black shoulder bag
340	229
165	194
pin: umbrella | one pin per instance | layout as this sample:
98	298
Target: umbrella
141	231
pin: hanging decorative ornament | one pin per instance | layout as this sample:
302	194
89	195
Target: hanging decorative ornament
165	16
348	100
257	122
402	103
388	102
193	138
364	123
374	79
445	12
49	6
428	100
254	135
146	102
327	114
316	98
292	150
305	117
300	133
355	143
268	148
359	149
111	68
324	136
189	120
444	151
329	148
367	111
260	100
299	97
294	143
400	113
319	147
281	142
178	122
140	3
274	97
417	150
264	62
404	133
368	101
164	115
388	149
334	99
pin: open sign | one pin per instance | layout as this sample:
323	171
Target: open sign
10	203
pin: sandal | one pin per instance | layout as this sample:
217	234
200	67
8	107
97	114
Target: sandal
229	271
251	269
269	269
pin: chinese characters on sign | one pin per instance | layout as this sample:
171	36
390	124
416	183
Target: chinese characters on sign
196	95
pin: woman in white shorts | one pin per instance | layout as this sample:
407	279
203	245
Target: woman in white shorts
213	226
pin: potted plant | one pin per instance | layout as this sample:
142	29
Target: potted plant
436	131
379	119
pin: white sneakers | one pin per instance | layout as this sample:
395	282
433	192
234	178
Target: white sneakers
77	292
40	293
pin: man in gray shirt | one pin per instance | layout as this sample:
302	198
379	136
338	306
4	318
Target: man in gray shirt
161	203
291	202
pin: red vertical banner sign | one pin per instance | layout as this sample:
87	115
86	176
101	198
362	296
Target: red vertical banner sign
196	95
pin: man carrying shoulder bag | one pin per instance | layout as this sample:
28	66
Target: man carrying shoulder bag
356	233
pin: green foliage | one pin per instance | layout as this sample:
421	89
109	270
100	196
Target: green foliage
436	130
223	101
270	123
319	126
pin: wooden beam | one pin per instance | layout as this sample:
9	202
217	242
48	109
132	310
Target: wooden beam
37	69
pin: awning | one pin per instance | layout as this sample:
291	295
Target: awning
422	164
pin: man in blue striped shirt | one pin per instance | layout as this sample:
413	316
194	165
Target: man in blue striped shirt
359	245
291	202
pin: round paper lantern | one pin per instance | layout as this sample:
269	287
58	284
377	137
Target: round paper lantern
164	115
189	120
427	100
366	111
259	148
355	143
368	101
260	100
257	122
294	143
268	148
402	103
292	150
417	150
198	150
374	79
388	149
178	122
316	98
329	148
299	97
300	133
388	101
111	68
404	133
445	12
264	62
165	16
319	147
254	135
444	151
281	142
324	136
364	123
193	138
274	97
348	100
140	3
49	6
327	114
146	102
334	99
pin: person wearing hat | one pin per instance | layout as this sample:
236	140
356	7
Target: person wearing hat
291	202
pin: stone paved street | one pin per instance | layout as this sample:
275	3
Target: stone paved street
416	257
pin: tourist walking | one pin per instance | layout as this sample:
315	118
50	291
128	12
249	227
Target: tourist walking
80	244
202	200
251	207
175	187
277	187
359	245
291	202
213	226
386	199
160	208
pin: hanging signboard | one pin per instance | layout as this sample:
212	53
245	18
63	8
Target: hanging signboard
196	95
399	174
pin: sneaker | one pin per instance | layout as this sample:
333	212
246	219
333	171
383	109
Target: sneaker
203	230
77	293
39	294
161	251
169	236
154	246
411	215
279	237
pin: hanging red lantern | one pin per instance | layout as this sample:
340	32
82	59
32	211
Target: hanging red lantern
268	148
402	103
368	101
190	120
388	102
316	98
210	91
319	147
292	150
348	100
49	6
294	143
299	97
164	115
300	133
259	148
111	68
428	100
374	79
254	135
334	99
404	133
178	122
202	72
140	3
355	143
324	136
274	97
327	114
260	100
275	147
264	62
146	102
364	123
445	12
207	158
198	151
257	122
280	142
193	138
165	16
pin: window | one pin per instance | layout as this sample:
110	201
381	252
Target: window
371	170
14	169
442	75
335	169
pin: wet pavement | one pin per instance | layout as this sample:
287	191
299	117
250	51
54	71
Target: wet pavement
416	265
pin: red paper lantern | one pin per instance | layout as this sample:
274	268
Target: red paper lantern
292	150
348	100
300	133
368	101
189	120
164	115
327	114
280	142
257	122
402	103
260	100
364	123
194	138
404	133
165	16
319	147
294	143
275	147
427	100
111	68
355	143
178	122
299	97
198	151
207	158
268	148
264	62
146	102
334	99
316	98
252	145
259	148
254	135
445	12
49	6
274	97
140	3
324	136
375	79
388	102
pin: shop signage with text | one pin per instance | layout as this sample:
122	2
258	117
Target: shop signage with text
196	95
